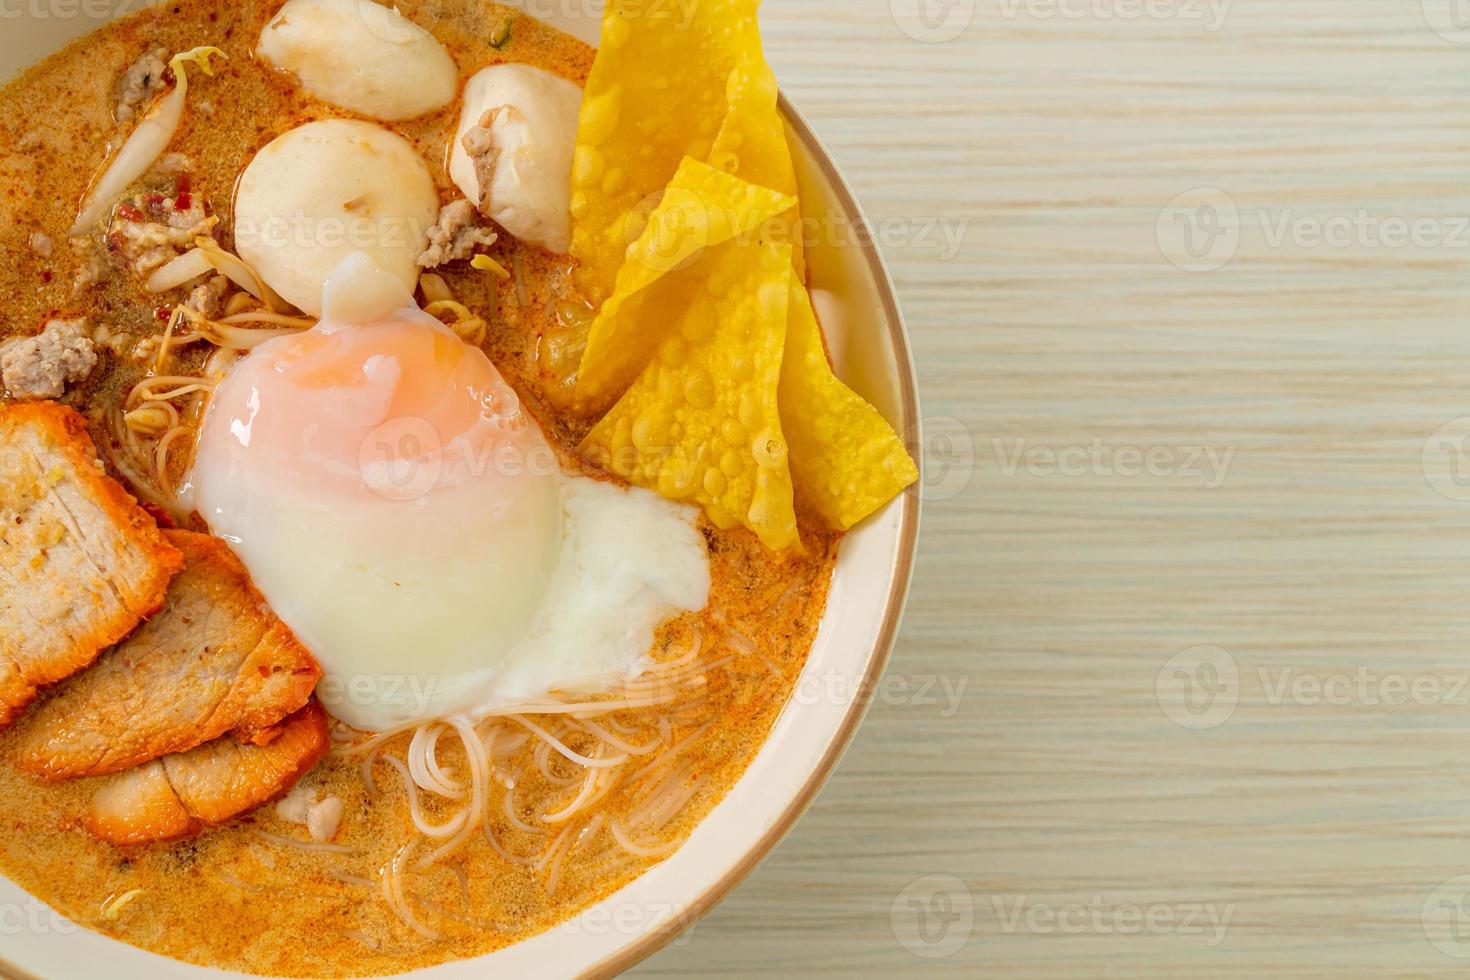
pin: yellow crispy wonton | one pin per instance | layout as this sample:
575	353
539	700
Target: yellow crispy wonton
684	210
702	208
752	143
845	457
656	94
702	422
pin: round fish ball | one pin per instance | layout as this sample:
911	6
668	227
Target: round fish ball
360	56
527	151
325	190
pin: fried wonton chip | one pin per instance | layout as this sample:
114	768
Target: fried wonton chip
752	143
695	319
701	423
656	94
702	209
845	457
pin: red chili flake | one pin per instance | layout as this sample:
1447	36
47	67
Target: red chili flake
46	276
169	77
184	202
163	313
183	185
153	199
129	213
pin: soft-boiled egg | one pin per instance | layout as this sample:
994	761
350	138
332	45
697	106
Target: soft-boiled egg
408	519
322	191
522	127
360	56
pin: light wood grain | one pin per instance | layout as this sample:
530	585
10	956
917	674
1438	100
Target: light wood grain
1060	781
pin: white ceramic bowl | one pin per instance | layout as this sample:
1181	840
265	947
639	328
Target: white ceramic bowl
853	643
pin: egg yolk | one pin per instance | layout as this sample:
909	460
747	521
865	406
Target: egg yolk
392	501
342	405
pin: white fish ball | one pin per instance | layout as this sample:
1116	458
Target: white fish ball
531	138
321	192
360	56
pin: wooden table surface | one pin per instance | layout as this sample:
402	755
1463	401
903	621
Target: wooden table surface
1184	684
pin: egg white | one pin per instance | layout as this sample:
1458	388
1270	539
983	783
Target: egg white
428	581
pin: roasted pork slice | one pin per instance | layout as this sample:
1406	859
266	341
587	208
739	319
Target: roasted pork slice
180	795
214	660
81	564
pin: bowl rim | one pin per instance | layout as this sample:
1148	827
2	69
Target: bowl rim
909	425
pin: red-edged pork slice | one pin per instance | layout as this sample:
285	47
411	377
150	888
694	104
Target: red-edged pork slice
81	564
215	660
180	795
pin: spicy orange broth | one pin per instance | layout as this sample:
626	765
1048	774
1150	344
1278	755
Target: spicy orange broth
230	899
